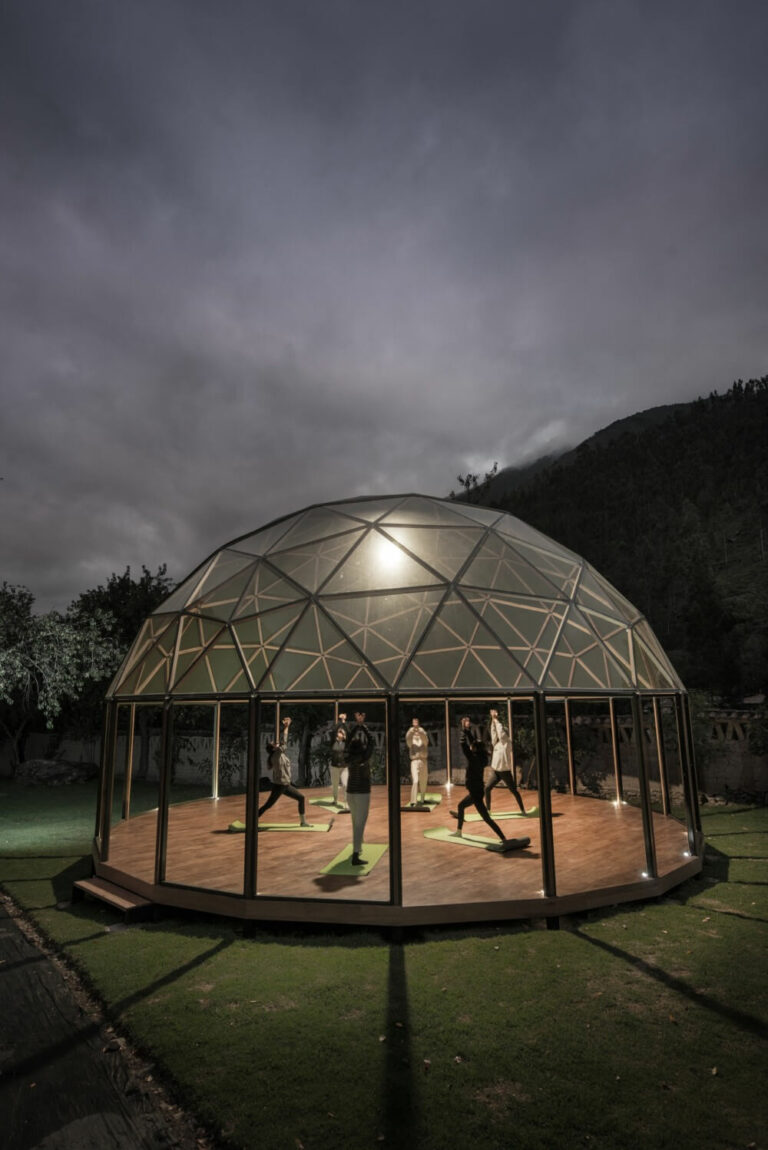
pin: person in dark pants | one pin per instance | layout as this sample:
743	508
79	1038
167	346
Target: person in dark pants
360	746
477	759
280	766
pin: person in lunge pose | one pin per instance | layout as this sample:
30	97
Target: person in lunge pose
280	766
477	759
502	764
418	748
359	750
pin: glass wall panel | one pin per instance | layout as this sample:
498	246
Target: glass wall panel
195	819
132	840
314	860
425	798
593	766
123	762
441	867
666	784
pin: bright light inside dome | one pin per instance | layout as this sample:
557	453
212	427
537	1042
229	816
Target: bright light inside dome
388	554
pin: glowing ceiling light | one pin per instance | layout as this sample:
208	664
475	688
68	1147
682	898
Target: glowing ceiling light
388	554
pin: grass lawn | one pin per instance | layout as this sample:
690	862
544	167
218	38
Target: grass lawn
636	1027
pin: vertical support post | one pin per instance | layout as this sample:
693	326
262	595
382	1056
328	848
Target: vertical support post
683	751
448	764
692	764
615	751
661	756
128	781
393	787
110	738
215	749
166	752
569	745
645	790
545	798
252	797
102	817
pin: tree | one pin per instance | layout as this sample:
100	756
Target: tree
45	660
474	488
125	602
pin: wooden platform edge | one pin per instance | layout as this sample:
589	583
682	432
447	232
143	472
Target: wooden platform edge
132	906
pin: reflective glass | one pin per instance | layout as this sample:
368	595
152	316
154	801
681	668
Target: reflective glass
561	571
132	840
499	567
443	548
314	862
417	510
222	601
385	627
316	524
260	542
378	564
223	566
311	564
266	588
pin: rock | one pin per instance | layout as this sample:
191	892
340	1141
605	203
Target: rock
54	772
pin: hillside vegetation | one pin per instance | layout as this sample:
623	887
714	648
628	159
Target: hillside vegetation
672	507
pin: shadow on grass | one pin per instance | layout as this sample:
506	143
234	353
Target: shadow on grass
397	1087
33	1065
739	1018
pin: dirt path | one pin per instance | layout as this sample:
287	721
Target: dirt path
67	1080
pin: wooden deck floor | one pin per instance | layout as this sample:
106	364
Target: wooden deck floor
598	847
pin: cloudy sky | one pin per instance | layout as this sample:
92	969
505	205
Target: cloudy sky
257	254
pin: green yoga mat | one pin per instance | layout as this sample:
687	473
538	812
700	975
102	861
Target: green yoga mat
532	813
238	826
446	835
330	805
342	864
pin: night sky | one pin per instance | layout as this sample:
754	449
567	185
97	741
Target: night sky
258	255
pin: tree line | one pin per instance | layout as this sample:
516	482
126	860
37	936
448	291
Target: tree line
675	515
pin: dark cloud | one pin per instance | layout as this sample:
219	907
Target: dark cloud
262	254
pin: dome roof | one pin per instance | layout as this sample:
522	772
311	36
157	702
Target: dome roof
405	593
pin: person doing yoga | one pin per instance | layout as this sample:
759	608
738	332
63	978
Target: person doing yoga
280	766
502	763
359	750
477	759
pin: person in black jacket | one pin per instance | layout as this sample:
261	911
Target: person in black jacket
476	757
360	746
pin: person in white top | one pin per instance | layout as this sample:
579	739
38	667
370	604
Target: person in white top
502	763
417	741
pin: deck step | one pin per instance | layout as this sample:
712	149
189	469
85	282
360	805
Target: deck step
131	905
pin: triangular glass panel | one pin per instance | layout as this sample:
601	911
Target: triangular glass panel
311	564
219	666
386	628
179	598
260	638
225	564
483	515
498	566
334	663
378	564
259	542
317	523
517	531
419	511
368	509
581	661
619	606
652	667
266	588
196	634
222	601
150	676
456	635
152	629
559	569
445	549
527	627
615	635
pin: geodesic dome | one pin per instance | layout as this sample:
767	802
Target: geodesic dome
404	593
